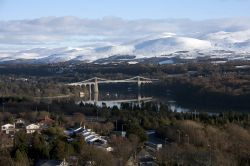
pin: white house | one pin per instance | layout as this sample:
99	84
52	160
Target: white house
32	128
8	128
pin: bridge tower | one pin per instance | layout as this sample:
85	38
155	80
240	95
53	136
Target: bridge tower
96	89
139	81
139	87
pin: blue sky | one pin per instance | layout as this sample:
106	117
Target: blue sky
127	9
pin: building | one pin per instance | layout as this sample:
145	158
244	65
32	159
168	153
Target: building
152	146
8	128
88	135
46	122
32	128
91	137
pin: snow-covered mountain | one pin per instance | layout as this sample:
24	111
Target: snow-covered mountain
237	41
230	45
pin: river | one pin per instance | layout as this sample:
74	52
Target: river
113	96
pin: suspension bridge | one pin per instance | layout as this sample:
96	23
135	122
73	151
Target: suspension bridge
96	80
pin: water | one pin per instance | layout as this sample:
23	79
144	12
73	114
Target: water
173	106
115	94
113	97
110	102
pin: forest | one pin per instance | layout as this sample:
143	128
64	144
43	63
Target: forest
190	138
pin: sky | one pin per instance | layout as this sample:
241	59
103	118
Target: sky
26	24
127	9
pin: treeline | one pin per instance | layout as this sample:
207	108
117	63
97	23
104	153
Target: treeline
32	87
201	84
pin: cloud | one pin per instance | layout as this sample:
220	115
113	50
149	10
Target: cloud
65	30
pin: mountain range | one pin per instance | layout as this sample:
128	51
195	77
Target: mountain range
222	44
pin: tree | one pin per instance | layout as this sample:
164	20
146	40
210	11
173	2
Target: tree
79	144
59	150
21	158
108	127
122	147
78	118
97	156
39	148
21	141
5	158
135	128
6	161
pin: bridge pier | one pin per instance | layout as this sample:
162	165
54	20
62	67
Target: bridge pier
90	92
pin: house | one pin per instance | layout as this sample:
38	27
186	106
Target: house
88	135
52	163
91	137
32	128
8	128
46	122
76	130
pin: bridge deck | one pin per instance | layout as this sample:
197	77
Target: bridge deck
96	80
144	99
